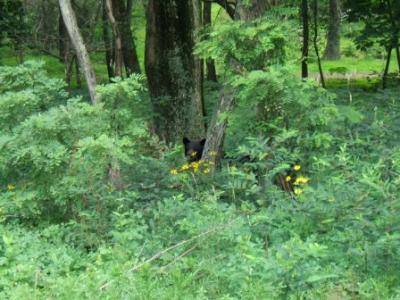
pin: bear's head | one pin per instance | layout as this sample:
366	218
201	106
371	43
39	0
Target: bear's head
193	149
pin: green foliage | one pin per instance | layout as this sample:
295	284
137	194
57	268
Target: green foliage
380	19
245	46
90	209
12	22
57	160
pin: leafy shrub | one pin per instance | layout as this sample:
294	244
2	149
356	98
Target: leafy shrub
56	163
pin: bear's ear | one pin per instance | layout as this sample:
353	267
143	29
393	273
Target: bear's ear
185	140
203	142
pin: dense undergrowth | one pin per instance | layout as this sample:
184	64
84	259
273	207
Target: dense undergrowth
90	209
69	231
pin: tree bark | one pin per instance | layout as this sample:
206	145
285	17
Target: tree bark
210	64
386	71
304	59
332	50
216	131
80	49
321	73
117	38
78	75
173	72
122	14
229	6
107	43
250	11
62	38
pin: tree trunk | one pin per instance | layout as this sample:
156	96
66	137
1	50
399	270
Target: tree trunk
80	49
20	36
386	71
395	33
230	7
78	75
107	43
321	73
332	50
117	38
216	131
122	14
174	74
62	38
304	59
210	64
68	68
249	11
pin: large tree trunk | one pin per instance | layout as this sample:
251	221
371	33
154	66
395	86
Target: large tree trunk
117	38
174	74
332	50
80	49
210	64
216	131
123	14
304	58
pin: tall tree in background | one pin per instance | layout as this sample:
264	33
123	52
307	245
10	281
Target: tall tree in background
173	72
80	48
122	10
315	41
382	26
118	56
304	57
210	64
12	23
332	50
250	10
108	45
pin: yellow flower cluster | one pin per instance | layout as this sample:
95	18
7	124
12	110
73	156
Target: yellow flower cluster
298	191
300	180
195	167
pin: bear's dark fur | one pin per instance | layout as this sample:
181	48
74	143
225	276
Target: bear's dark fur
193	149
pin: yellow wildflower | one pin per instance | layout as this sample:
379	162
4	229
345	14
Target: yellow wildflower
206	171
297	167
185	167
10	187
298	191
195	165
288	178
173	172
301	180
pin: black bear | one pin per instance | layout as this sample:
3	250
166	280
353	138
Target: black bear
193	149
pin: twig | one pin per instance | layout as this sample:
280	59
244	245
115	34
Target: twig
178	257
161	253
